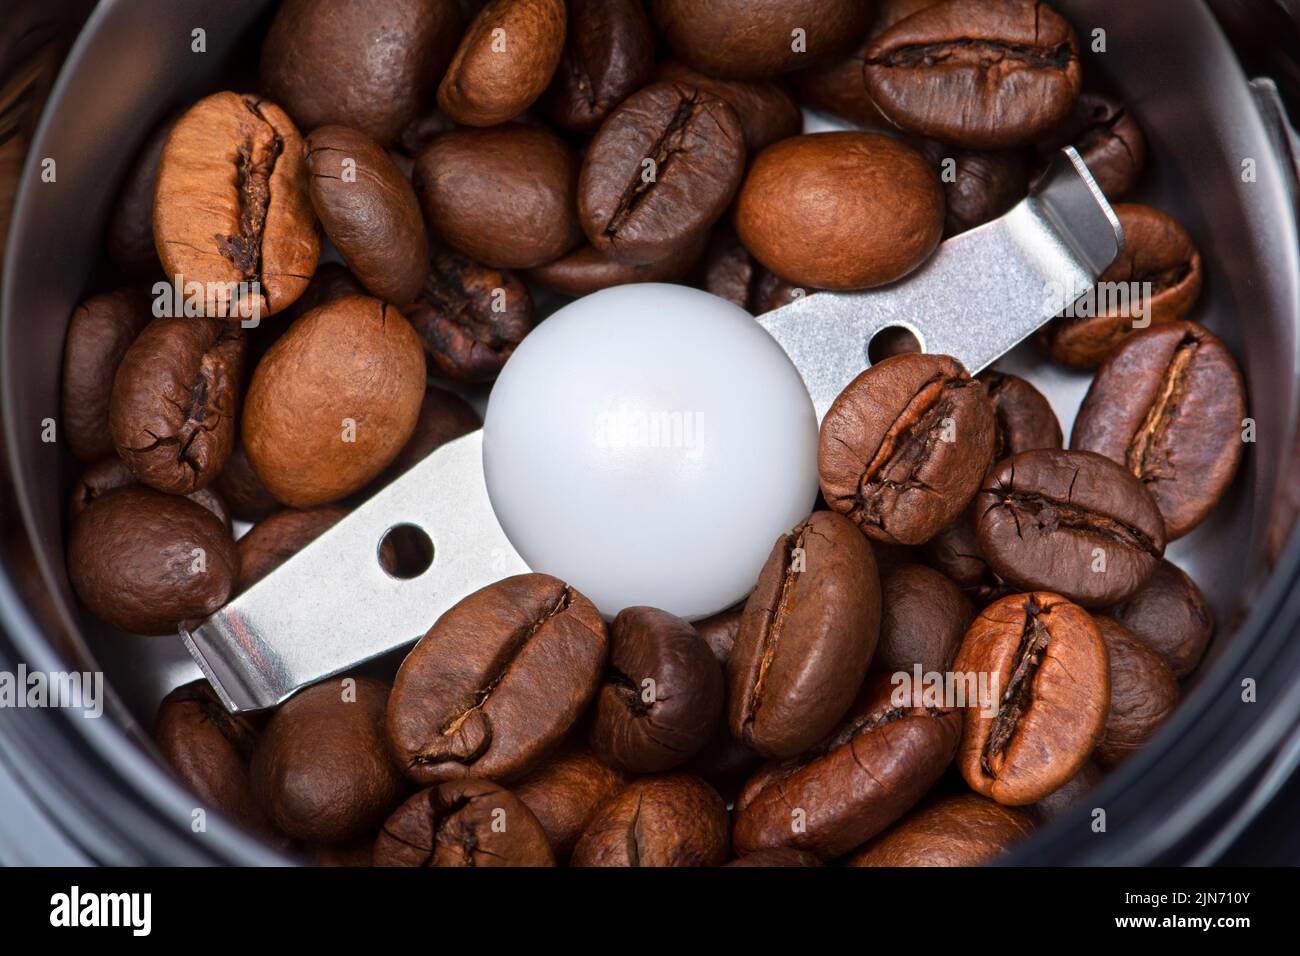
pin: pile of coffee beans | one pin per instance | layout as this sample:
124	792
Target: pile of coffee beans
971	627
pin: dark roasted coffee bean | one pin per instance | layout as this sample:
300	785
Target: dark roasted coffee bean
661	699
370	66
922	620
209	750
1071	522
719	632
369	211
848	236
564	792
130	225
766	109
332	280
111	473
322	770
1047	665
1170	615
175	402
333	401
978	186
757	38
1108	138
608	55
777	856
661	171
729	271
463	823
670	820
1024	415
962	830
869	772
504	62
503	196
444	416
102	329
587	270
1143	693
724	762
470	317
231	210
1158	251
421	131
497	682
904	446
807	635
1012	65
243	491
144	561
1169	406
1069	795
955	551
277	538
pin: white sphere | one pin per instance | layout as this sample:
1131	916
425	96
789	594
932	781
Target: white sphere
648	444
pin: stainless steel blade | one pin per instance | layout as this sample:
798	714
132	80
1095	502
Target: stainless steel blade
332	605
976	298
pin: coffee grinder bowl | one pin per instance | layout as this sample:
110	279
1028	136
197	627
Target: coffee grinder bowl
76	789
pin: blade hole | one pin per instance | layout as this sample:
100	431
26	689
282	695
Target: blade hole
892	340
405	552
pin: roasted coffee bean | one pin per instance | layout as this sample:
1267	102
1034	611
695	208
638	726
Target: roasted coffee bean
1143	693
661	698
130	224
955	552
1047	664
1012	65
332	280
231	210
277	538
1170	615
1108	138
369	211
1158	251
564	792
242	490
1069	795
470	317
587	270
777	856
904	446
444	416
370	66
766	109
352	853
463	823
209	749
670	820
719	632
1071	522
753	38
836	86
608	55
497	681
808	633
333	401
1169	406
505	197
1024	415
661	171
422	131
962	830
923	618
868	208
102	329
175	402
880	761
978	186
144	561
729	271
724	762
322	771
504	62
111	473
